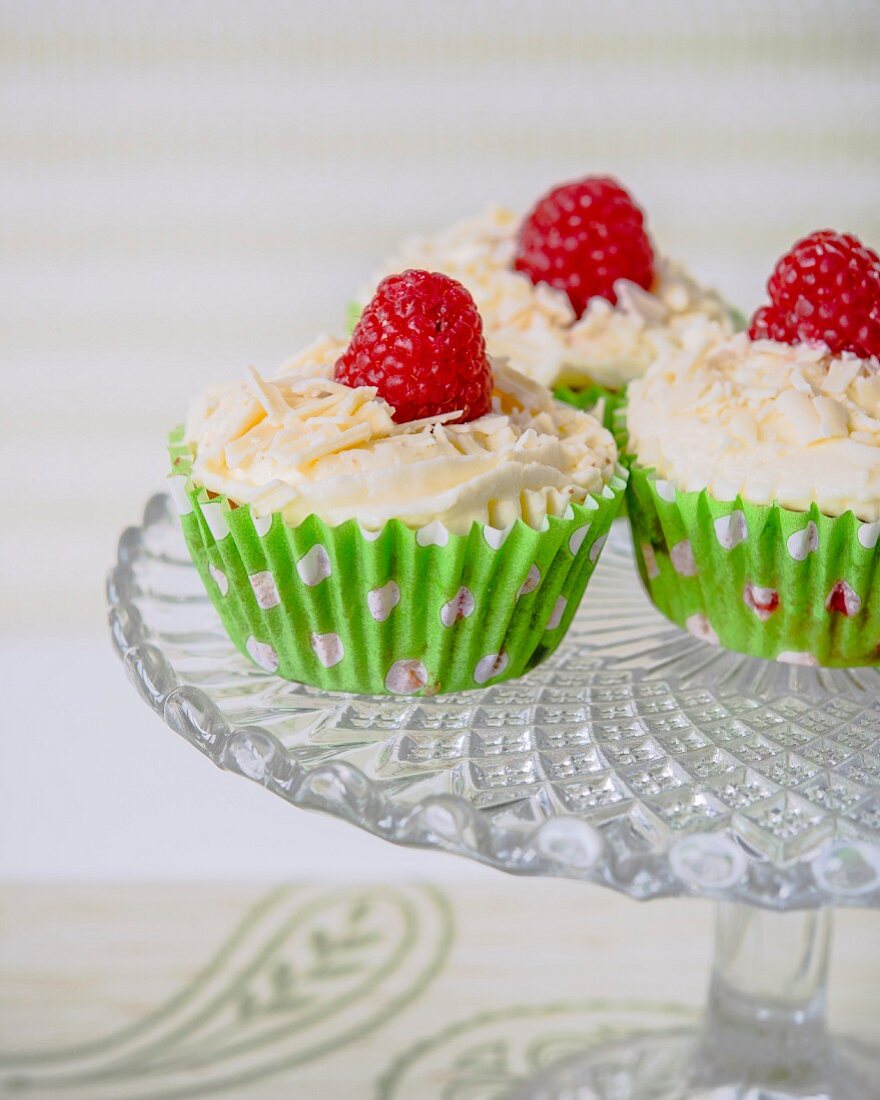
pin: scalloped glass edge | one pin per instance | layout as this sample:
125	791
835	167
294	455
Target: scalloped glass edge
714	865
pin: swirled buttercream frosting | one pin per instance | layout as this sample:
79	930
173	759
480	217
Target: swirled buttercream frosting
767	421
534	327
302	444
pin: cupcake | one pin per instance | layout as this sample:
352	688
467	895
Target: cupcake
399	515
574	295
754	495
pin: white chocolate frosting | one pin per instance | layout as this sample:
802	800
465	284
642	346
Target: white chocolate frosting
763	420
303	444
534	326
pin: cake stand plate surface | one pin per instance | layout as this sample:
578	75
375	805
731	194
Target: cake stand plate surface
637	756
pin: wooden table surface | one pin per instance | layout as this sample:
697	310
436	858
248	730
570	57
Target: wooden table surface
375	991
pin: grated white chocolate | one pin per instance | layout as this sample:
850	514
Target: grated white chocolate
301	444
534	326
764	420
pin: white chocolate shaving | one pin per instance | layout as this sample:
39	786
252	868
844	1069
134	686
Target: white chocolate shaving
302	444
764	420
534	327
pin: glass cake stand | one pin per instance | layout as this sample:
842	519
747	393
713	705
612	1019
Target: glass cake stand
637	757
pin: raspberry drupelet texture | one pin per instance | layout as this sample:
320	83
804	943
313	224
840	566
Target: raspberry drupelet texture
584	236
420	343
825	289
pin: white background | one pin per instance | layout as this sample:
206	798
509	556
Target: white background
185	188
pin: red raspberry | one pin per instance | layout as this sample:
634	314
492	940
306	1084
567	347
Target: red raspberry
420	343
825	289
583	237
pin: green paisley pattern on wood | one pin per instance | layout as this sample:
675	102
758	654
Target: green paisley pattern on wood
485	1056
306	973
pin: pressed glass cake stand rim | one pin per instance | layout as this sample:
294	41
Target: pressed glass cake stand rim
152	583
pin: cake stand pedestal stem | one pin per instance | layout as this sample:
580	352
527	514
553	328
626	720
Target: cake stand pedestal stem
765	1019
763	1035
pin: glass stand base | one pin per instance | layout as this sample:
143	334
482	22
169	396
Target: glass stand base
763	1036
666	1066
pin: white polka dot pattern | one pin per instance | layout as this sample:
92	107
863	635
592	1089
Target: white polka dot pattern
461	606
214	512
763	601
370	535
435	534
314	566
732	530
263	654
650	558
665	490
262	524
177	486
220	579
789	657
682	557
265	589
557	613
496	536
490	666
868	535
698	625
843	599
803	543
406	677
382	601
577	539
328	648
533	579
596	548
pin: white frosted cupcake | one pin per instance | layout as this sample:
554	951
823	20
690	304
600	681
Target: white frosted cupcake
755	492
301	444
574	295
400	514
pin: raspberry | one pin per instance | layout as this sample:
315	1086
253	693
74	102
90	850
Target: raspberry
583	237
825	289
420	343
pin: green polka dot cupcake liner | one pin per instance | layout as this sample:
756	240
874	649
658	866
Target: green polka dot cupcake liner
398	611
772	582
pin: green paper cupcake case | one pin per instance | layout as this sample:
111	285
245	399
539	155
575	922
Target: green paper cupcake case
400	611
772	582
